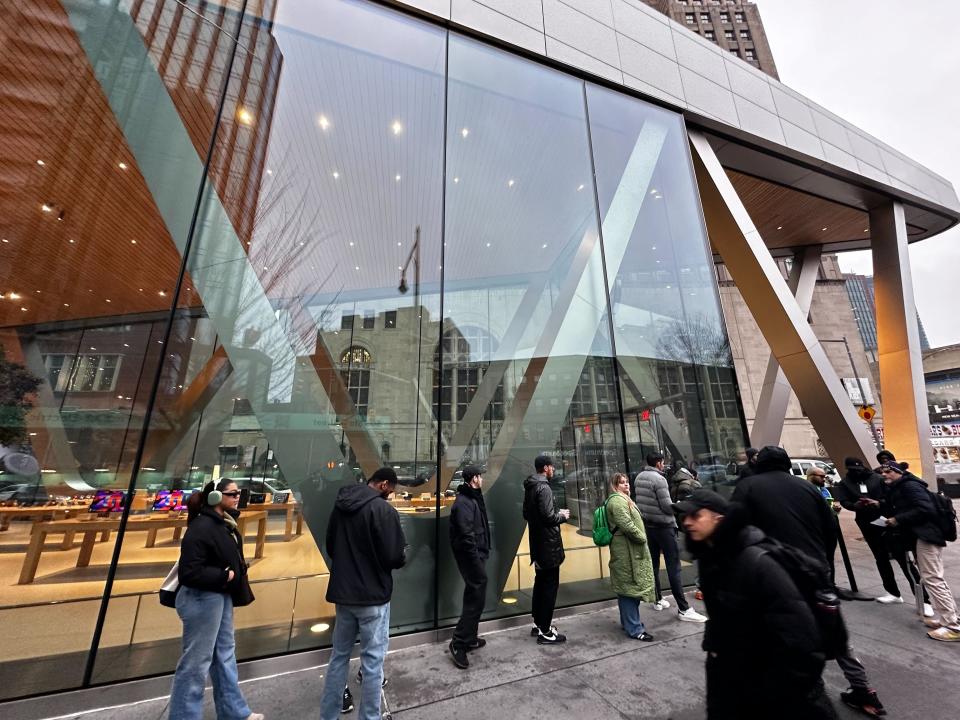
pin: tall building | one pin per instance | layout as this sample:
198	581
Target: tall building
734	25
860	290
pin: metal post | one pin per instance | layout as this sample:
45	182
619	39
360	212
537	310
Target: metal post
863	396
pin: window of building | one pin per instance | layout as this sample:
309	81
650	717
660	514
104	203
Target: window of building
369	319
390	320
725	16
728	34
346	321
738	16
691	18
749	54
705	18
467	352
734	50
744	34
710	35
85	373
355	370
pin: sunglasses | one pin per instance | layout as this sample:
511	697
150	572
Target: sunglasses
232	493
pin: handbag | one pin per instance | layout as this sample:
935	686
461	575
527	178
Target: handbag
170	586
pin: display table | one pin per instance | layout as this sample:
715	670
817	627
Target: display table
149	524
290	509
58	512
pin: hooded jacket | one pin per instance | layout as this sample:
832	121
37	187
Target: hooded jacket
682	484
469	527
653	498
763	642
909	501
365	543
788	508
543	520
210	549
848	491
631	568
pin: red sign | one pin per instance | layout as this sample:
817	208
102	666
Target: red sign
645	415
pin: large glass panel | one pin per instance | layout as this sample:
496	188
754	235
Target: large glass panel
677	381
102	142
525	363
299	363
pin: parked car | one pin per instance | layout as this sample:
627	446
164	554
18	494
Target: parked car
800	466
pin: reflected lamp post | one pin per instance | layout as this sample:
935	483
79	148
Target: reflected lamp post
863	395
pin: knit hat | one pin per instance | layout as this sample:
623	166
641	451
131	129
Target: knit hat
854	463
899	468
541	462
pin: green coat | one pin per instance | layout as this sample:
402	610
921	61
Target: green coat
631	570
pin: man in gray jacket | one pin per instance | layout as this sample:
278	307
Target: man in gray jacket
653	501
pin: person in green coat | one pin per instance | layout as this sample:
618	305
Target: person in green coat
631	569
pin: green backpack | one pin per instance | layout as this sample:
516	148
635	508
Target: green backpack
602	534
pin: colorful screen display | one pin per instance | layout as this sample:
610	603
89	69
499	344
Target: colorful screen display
169	500
108	501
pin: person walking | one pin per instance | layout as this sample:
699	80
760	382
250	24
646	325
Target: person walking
909	506
749	467
789	509
861	491
213	581
683	483
546	548
470	541
653	500
764	654
631	571
364	543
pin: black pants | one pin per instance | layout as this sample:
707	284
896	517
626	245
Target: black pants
546	582
664	540
897	545
474	574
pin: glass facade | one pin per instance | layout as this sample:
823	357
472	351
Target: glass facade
288	243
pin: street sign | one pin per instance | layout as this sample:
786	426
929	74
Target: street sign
867	412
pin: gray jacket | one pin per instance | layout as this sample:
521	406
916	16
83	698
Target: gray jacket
653	498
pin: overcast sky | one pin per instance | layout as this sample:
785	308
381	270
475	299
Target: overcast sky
892	68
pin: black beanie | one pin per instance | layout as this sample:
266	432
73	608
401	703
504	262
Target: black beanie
384	473
853	462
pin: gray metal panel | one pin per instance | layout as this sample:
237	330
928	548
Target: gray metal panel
490	22
650	30
757	120
576	30
702	58
440	8
750	84
641	62
566	54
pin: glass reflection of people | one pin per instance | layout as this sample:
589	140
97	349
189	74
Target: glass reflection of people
631	570
213	580
470	541
546	548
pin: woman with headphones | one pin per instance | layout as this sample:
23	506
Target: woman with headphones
213	580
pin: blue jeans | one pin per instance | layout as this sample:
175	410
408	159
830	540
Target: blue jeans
372	622
630	615
208	646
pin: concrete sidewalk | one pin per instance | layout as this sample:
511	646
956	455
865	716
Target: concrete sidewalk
601	673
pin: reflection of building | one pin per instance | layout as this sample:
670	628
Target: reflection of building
563	294
860	290
942	375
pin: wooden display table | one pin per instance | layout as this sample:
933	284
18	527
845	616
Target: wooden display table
58	512
148	524
290	509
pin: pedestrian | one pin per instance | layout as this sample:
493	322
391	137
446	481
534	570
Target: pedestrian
470	541
789	509
885	456
364	543
764	653
213	580
653	500
909	506
683	483
546	548
631	572
750	466
861	491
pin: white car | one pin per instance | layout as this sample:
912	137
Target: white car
800	466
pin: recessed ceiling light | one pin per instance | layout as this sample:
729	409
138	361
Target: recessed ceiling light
109	300
510	183
66	304
336	175
653	247
122	165
14	296
323	121
456	179
823	229
245	116
396	127
46	208
269	171
508	600
41	163
23	309
6	241
543	247
319	627
397	178
351	243
488	244
126	345
579	188
357	267
779	227
399	244
653	192
133	242
465	132
162	293
865	230
71	241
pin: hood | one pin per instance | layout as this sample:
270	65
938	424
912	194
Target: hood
352	498
533	480
682	474
909	477
773	458
859	474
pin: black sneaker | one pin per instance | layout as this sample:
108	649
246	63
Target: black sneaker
644	637
459	656
476	644
551	638
865	700
534	631
360	679
347	701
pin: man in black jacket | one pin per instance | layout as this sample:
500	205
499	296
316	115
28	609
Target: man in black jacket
764	654
365	544
861	492
470	541
546	548
791	510
910	507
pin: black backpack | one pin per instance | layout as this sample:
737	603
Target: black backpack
946	515
813	581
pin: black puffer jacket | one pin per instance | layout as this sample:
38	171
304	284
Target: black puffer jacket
764	657
910	503
540	512
469	527
848	491
788	508
365	543
211	548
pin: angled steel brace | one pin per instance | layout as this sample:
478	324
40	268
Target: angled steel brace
776	311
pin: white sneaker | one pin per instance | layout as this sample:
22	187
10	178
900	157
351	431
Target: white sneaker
661	604
691	615
255	716
927	610
889	599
